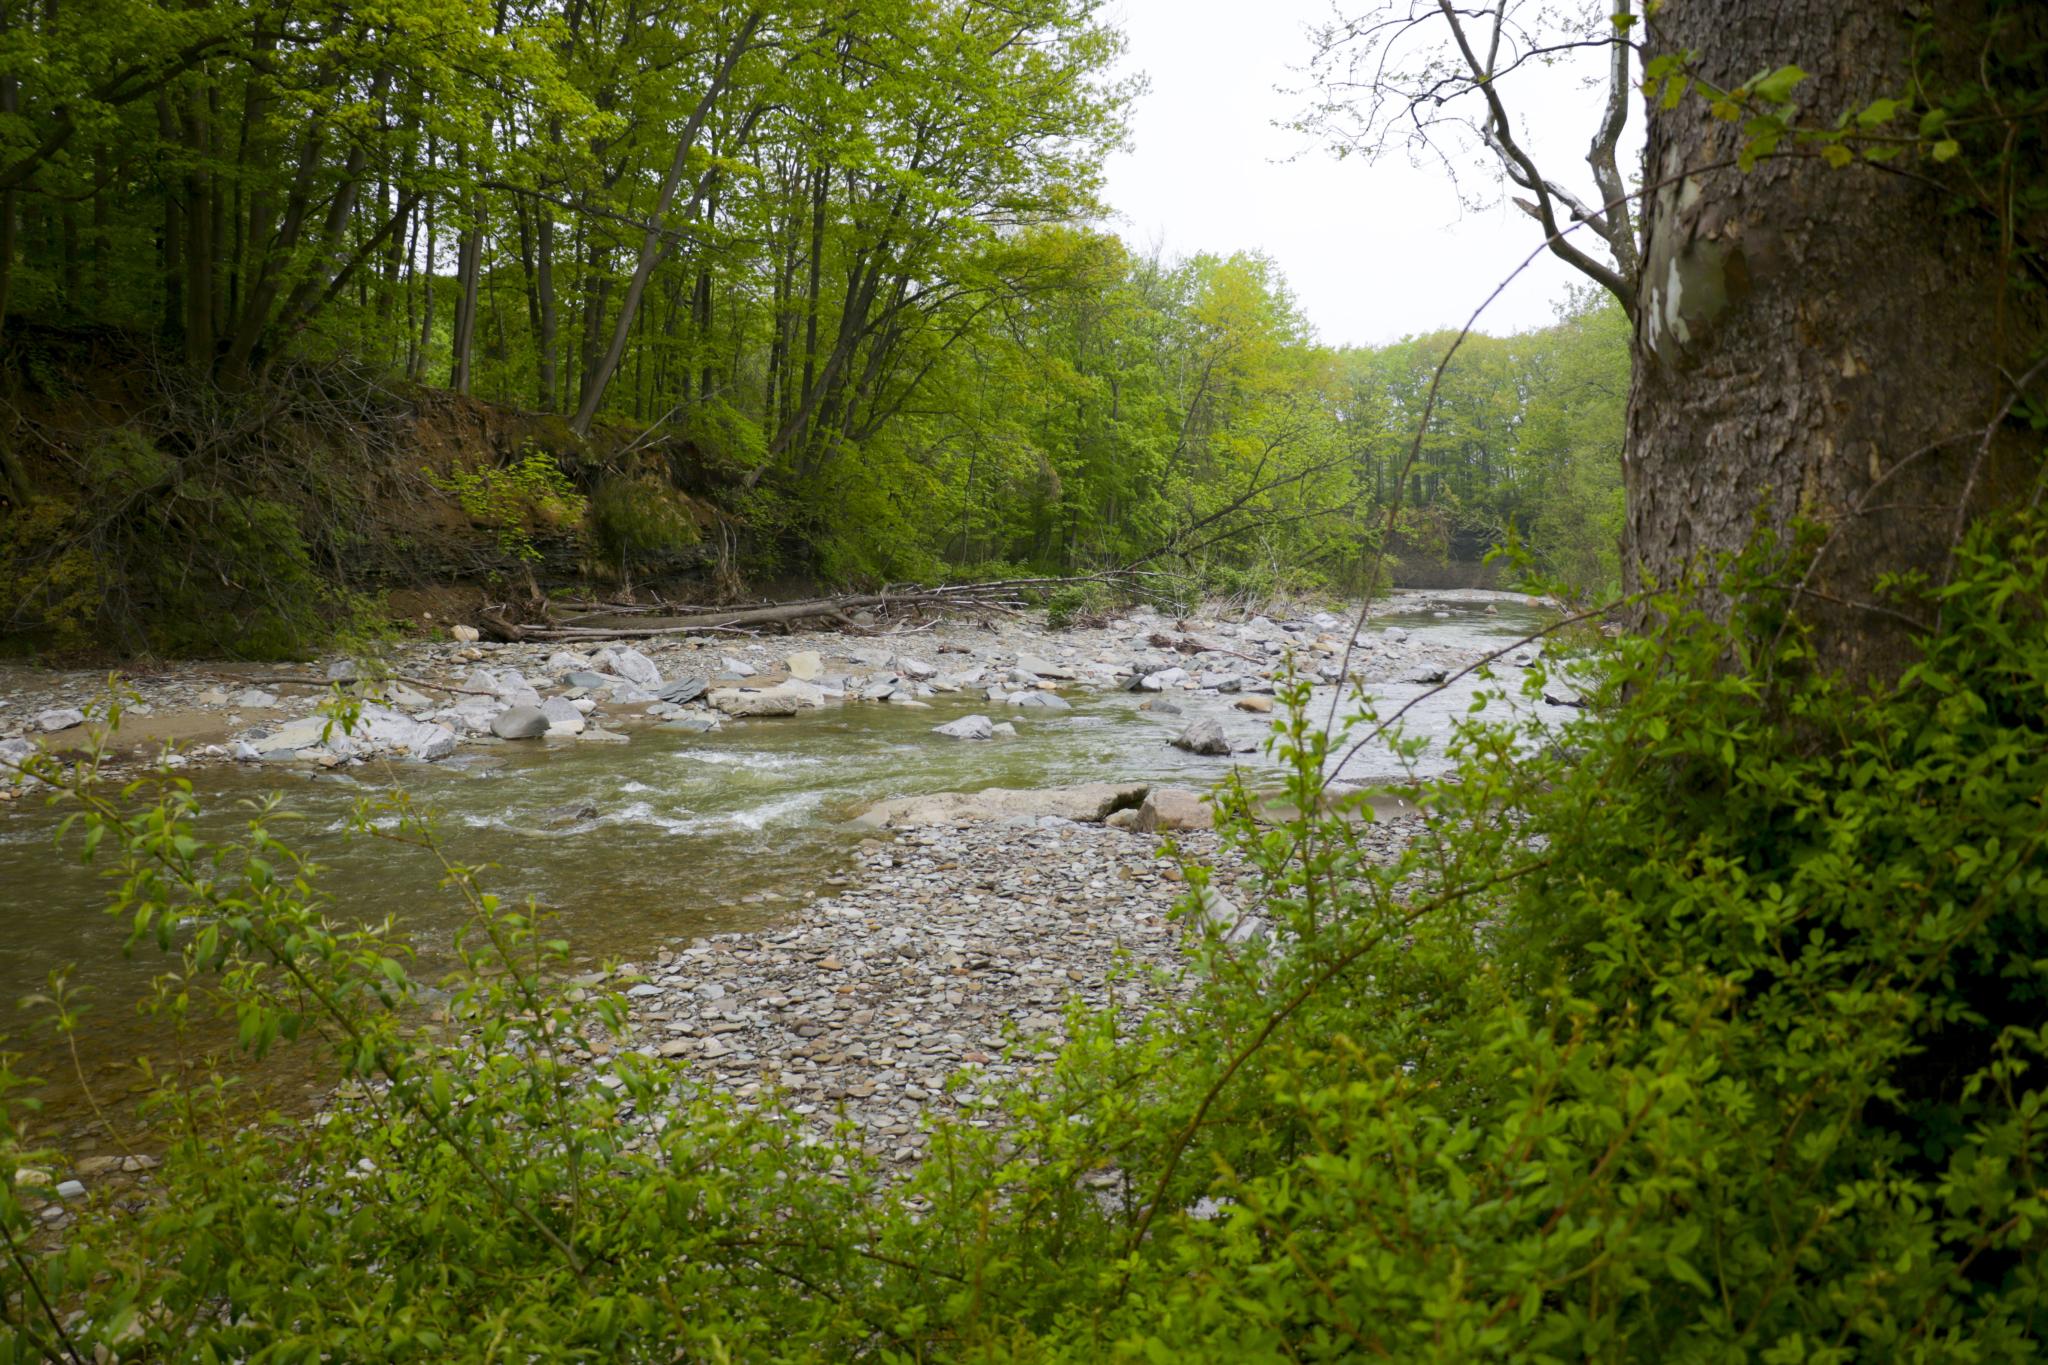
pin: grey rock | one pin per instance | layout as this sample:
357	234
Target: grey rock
344	671
562	715
571	813
967	727
692	723
1163	679
1002	730
683	690
1159	706
71	1189
737	668
520	722
1203	737
630	664
14	753
914	668
773	701
1428	677
584	678
59	718
1040	668
1557	694
1041	701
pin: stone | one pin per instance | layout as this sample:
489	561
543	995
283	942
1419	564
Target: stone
967	727
467	635
1557	694
344	671
398	694
1424	677
292	736
1002	729
805	665
1040	668
1173	808
692	723
1163	679
736	668
71	1189
59	718
1203	737
737	702
596	736
212	696
915	668
1040	701
1160	706
583	678
1257	705
1088	804
520	722
1523	657
682	691
630	664
14	753
562	661
562	715
1396	634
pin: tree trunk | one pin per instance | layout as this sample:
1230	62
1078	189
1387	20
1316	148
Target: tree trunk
1818	345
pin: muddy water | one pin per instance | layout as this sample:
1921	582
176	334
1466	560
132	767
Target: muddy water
630	846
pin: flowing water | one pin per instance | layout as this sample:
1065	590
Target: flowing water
685	835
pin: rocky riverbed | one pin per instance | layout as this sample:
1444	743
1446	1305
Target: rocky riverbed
425	700
685	804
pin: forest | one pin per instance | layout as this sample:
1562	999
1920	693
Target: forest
1504	843
801	291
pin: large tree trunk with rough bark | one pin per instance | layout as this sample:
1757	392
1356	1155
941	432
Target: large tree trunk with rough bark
1814	344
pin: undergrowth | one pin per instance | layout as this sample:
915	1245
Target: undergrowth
1708	1030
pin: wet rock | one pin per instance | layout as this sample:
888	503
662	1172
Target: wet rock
520	722
1557	694
967	727
692	723
1173	808
1203	737
1425	677
59	718
1002	729
1040	701
1087	804
1159	706
571	813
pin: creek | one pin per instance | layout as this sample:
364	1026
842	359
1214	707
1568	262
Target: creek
633	847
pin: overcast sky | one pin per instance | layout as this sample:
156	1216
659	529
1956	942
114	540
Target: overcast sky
1373	253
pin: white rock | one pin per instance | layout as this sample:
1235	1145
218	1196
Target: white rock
466	634
805	666
59	718
737	668
914	668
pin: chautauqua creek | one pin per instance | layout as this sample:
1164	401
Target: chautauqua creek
730	819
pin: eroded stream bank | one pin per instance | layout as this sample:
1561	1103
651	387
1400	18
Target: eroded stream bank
664	824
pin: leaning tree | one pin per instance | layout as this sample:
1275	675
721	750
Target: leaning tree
1831	253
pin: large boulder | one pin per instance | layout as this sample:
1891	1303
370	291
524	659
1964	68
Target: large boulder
1172	808
806	665
293	736
774	701
630	664
1203	737
682	691
1090	804
967	727
563	717
520	722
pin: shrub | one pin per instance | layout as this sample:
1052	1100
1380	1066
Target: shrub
516	500
1075	604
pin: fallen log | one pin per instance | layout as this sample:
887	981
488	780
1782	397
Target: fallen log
1000	595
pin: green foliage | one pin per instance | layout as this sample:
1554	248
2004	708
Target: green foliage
1074	604
642	523
1712	1031
518	500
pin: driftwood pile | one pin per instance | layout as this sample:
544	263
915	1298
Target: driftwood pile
616	621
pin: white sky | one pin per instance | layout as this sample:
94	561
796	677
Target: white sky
1372	252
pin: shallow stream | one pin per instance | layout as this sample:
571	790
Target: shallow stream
685	835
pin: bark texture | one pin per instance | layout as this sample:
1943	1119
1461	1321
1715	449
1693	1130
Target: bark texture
1818	344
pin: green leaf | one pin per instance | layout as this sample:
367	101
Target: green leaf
1777	87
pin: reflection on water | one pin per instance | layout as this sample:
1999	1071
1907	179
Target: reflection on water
631	847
